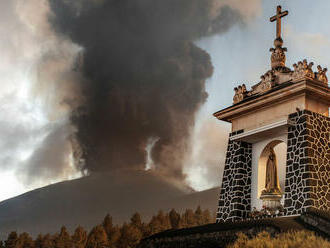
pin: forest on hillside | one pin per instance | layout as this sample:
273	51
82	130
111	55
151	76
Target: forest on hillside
128	235
109	235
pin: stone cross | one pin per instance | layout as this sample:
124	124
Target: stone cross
279	15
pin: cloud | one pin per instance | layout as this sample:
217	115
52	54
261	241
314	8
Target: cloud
312	45
248	9
52	158
37	85
205	164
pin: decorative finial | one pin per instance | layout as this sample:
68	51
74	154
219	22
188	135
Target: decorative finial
322	75
303	69
278	18
240	93
278	57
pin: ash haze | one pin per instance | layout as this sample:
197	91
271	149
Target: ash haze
91	86
35	68
144	77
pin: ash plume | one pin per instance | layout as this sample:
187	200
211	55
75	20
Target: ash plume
144	76
37	95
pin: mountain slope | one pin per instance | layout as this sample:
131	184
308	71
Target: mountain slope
87	200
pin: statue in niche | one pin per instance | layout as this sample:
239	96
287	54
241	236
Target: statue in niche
272	186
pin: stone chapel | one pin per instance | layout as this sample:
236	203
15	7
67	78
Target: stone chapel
289	106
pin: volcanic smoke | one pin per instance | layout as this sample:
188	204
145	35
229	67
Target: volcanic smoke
145	77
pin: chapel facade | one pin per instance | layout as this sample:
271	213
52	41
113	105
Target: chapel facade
288	107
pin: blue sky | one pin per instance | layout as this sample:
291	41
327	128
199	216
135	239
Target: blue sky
239	56
242	55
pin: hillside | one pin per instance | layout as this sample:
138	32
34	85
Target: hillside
87	200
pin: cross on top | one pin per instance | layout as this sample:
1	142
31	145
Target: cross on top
279	15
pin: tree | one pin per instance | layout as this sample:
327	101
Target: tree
11	240
38	241
97	238
207	217
79	238
25	241
107	224
155	225
199	216
145	229
130	236
136	220
174	219
114	236
164	220
188	219
113	232
47	242
63	240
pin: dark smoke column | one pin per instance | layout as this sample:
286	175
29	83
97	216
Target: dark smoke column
145	77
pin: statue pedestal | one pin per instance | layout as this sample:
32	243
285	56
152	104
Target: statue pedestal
271	200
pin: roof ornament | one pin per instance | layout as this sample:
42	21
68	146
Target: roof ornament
278	57
240	93
303	69
321	75
279	73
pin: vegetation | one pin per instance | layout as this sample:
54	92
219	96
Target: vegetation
109	235
130	234
285	240
266	212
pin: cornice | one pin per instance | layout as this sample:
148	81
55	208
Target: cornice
285	92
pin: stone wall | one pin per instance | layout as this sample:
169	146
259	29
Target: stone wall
235	194
308	163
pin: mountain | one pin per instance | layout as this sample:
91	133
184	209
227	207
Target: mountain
87	200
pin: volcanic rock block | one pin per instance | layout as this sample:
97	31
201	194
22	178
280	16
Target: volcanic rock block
308	163
235	195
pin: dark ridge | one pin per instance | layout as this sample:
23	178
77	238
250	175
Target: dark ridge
324	214
282	224
87	200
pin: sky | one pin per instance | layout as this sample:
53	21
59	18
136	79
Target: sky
28	126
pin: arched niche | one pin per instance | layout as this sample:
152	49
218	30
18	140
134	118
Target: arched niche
280	148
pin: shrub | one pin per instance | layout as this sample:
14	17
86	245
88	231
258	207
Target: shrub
286	240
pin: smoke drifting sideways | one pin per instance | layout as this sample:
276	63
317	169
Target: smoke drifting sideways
144	77
205	163
36	74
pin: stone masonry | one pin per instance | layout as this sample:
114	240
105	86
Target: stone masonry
235	195
308	163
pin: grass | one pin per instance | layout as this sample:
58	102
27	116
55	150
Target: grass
301	239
